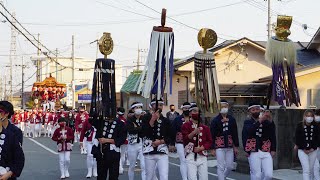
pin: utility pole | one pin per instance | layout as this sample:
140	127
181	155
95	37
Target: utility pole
22	82
138	60
13	49
57	64
5	86
269	19
73	81
22	88
38	60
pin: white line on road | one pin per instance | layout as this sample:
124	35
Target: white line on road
212	174
43	146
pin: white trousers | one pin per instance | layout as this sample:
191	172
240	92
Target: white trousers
45	107
37	130
64	161
199	167
135	150
261	162
162	163
123	154
32	130
27	129
307	162
52	105
91	162
183	163
22	124
225	157
50	130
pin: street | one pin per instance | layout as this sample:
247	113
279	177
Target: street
42	163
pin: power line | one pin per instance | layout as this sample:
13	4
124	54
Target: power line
181	23
46	54
208	9
126	10
264	8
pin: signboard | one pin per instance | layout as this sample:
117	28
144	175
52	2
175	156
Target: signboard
84	98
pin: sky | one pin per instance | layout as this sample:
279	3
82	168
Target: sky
130	23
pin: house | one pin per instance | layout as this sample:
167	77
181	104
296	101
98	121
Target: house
129	91
241	64
234	63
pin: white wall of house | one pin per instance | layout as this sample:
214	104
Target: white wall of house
176	87
235	67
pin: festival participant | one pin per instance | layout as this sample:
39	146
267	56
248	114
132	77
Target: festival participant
45	101
23	120
176	129
70	119
106	148
307	143
52	100
225	140
38	124
134	127
27	124
33	120
80	119
259	142
46	117
63	136
123	147
52	121
89	132
197	140
16	118
157	135
11	154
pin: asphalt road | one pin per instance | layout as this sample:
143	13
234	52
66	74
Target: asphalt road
42	163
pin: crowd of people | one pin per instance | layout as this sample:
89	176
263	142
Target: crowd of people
148	137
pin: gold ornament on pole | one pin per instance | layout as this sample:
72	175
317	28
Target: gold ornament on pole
206	80
283	27
207	38
106	44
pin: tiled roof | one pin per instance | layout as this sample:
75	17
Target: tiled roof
308	57
131	84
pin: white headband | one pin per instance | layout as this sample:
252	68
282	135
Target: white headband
224	103
159	102
192	108
253	106
185	106
136	105
120	113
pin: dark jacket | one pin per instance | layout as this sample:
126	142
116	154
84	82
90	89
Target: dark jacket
16	132
258	136
161	130
307	137
12	155
134	133
224	135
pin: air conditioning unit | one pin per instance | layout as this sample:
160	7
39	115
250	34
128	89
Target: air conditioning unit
239	67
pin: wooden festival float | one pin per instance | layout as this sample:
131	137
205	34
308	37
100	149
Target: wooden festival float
47	91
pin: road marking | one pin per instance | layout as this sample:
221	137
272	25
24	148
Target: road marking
212	174
43	146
